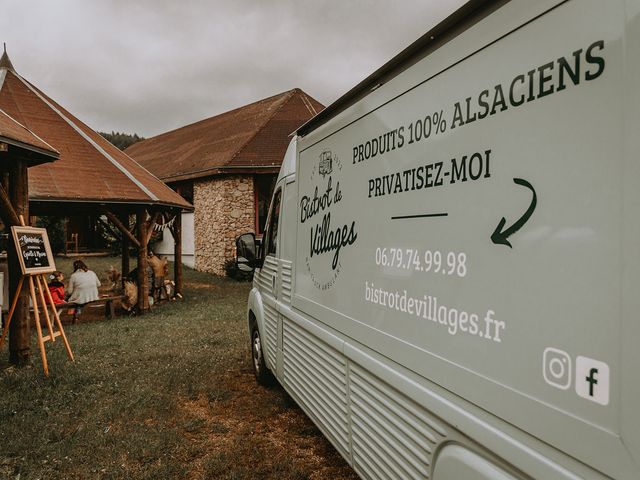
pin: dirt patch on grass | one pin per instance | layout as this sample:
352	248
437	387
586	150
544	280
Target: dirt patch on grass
259	431
200	286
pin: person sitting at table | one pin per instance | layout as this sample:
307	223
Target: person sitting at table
83	287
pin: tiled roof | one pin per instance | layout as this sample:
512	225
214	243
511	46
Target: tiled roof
90	169
12	132
249	138
4	60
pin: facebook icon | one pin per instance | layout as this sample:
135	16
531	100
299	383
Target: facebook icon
592	380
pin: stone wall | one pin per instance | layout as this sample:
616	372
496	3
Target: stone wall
224	209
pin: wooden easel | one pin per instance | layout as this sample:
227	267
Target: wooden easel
39	281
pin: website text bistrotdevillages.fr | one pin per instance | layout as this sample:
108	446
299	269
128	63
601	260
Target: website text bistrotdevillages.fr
427	307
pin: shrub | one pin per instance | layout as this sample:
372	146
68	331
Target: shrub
232	271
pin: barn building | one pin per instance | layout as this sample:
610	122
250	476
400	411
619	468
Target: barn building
226	166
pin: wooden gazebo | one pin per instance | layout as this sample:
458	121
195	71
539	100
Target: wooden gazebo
20	149
91	176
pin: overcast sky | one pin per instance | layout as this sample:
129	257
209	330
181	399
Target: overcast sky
150	66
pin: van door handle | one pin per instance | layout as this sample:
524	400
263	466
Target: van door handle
273	283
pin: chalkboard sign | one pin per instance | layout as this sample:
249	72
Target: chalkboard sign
34	251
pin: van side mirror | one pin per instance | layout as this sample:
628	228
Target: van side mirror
246	253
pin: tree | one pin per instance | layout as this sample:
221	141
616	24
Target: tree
121	140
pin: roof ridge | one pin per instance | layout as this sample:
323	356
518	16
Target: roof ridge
3	75
139	164
29	130
287	98
189	125
92	142
17	104
307	103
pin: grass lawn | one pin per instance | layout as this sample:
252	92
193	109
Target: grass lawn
169	394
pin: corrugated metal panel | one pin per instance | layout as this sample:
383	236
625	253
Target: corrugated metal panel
398	430
263	281
271	335
286	281
267	272
316	374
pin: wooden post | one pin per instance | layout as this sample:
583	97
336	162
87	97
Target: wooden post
7	212
20	329
125	249
5	181
143	284
66	235
177	253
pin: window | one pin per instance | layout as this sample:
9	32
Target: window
272	231
184	189
263	188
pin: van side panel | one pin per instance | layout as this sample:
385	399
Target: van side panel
466	264
630	353
315	375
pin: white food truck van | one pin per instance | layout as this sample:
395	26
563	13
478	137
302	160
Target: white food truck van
449	283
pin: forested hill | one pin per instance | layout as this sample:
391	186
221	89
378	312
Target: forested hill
121	140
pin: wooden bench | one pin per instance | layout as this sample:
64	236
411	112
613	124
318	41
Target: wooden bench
109	306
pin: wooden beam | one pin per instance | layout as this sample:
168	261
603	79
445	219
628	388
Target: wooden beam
125	250
5	180
177	253
143	284
116	221
151	223
7	212
20	328
109	228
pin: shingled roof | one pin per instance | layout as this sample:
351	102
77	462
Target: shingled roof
89	169
252	138
16	134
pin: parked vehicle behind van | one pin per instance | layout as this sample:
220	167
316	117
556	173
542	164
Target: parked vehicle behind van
448	284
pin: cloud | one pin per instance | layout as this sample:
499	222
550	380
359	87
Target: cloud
150	66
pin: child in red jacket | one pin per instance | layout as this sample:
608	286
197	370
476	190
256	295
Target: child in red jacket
56	287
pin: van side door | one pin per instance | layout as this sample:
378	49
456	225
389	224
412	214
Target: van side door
268	280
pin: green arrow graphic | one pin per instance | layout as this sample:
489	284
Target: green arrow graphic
499	236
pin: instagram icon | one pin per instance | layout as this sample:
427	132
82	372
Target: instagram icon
556	368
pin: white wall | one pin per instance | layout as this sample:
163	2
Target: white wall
165	246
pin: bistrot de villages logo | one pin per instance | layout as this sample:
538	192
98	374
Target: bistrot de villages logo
325	238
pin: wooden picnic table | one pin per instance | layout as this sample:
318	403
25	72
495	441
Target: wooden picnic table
109	306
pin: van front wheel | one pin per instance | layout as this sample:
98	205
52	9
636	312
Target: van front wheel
262	373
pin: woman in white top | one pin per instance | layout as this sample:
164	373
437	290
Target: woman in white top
83	286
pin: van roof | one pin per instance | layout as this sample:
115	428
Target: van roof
459	21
